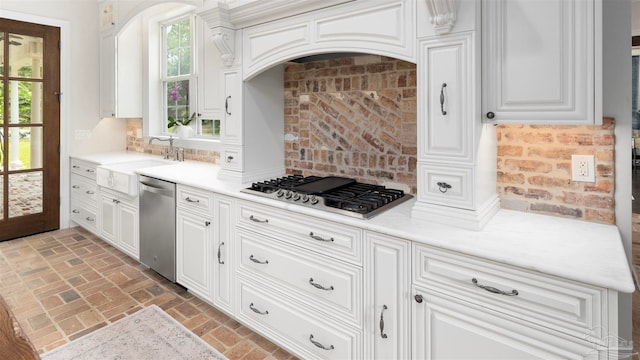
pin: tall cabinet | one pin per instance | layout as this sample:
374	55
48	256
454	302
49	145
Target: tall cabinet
456	152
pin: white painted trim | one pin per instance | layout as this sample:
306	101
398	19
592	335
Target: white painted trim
65	89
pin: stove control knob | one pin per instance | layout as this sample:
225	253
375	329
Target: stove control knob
296	197
305	198
314	200
288	195
280	193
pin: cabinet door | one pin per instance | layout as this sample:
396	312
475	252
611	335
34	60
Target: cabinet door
387	331
107	74
128	231
538	61
193	252
108	219
223	281
447	116
448	328
209	65
232	107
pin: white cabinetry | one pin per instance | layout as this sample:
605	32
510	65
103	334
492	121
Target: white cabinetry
541	61
223	277
84	195
300	281
119	223
468	307
208	69
121	70
456	158
194	240
448	328
387	266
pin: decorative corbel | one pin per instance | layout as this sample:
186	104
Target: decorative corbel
442	15
225	42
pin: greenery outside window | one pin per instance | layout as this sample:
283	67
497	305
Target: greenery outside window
178	79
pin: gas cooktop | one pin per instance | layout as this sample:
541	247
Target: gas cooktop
332	193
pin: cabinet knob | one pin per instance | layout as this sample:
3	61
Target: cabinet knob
418	298
229	159
491	115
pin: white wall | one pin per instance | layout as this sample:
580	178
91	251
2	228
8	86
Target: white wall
617	104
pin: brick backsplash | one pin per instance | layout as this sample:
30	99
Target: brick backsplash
135	143
354	117
534	170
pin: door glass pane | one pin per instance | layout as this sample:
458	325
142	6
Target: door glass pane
1	100
25	193
25	148
2	53
25	102
25	56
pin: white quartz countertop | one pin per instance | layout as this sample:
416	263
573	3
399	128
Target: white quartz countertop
577	250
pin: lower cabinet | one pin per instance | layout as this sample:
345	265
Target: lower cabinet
292	325
448	328
193	252
387	297
119	223
223	274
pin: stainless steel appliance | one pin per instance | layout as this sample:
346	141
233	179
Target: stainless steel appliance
158	226
332	193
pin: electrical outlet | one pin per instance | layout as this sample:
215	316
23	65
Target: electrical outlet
583	168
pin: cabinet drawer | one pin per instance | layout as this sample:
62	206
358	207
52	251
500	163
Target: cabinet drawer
444	185
232	158
573	308
83	168
194	199
84	215
294	326
329	285
84	189
326	237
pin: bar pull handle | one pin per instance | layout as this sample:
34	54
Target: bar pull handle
220	261
226	105
317	344
318	286
491	289
266	312
382	334
255	219
257	261
320	238
444	85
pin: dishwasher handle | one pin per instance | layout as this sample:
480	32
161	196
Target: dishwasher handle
154	189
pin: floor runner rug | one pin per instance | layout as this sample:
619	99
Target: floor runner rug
147	334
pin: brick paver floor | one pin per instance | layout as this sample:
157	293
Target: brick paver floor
63	284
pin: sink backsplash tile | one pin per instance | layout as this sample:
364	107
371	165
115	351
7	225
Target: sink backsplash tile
354	117
135	143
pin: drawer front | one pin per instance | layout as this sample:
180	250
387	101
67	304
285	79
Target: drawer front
450	186
83	168
294	326
232	158
194	199
84	189
326	237
573	308
329	285
84	215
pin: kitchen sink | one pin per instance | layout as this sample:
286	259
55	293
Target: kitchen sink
122	177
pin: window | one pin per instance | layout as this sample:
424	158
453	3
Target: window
179	79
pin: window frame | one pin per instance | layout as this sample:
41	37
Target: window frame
154	117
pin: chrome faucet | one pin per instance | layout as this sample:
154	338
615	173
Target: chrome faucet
170	151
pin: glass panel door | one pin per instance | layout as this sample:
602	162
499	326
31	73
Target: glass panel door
29	128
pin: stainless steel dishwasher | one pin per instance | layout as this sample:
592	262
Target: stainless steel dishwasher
158	226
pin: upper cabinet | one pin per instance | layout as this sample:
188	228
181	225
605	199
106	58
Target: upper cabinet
121	70
541	61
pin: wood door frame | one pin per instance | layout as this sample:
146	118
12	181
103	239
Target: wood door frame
65	103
